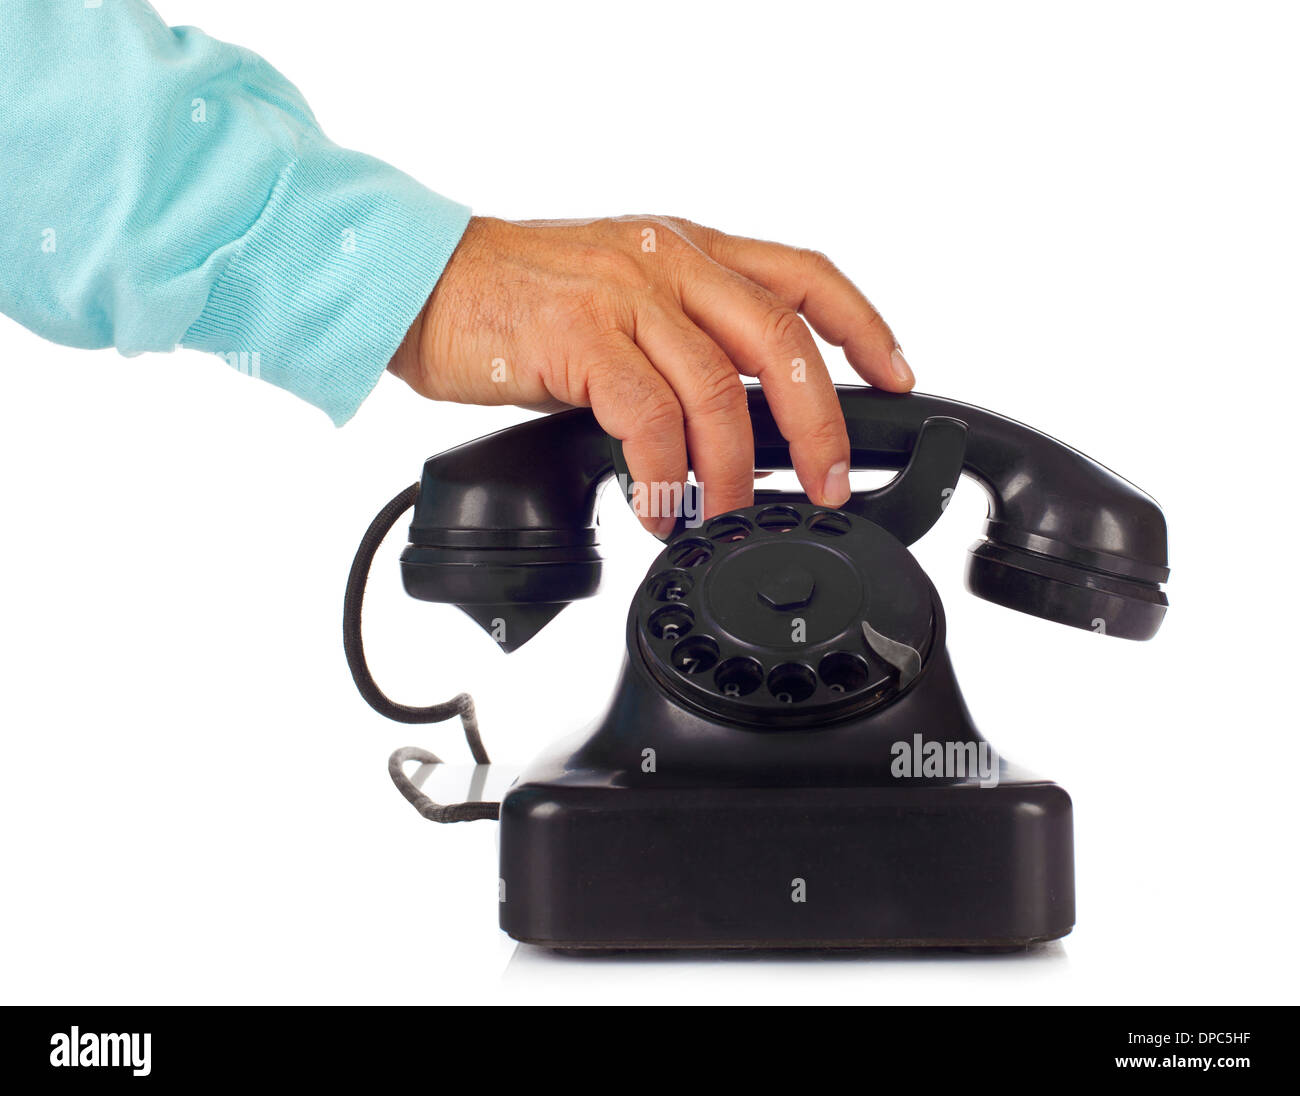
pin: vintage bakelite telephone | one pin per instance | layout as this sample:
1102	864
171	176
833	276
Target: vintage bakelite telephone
781	764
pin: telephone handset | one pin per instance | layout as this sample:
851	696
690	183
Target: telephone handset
787	702
505	525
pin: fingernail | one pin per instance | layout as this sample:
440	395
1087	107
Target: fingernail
664	527
902	370
836	490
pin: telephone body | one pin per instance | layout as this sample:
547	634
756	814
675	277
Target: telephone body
787	760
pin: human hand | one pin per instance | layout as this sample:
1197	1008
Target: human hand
650	321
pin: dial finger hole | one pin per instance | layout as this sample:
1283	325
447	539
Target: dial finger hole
670	585
844	672
791	682
778	519
827	523
738	676
691	553
695	655
671	622
728	528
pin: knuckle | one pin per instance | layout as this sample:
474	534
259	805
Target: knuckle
667	226
697	235
671	224
817	261
720	392
712	241
678	241
615	266
675	243
658	414
782	327
826	435
639	406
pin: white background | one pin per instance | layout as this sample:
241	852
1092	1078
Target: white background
1080	216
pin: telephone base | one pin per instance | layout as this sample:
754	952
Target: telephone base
953	865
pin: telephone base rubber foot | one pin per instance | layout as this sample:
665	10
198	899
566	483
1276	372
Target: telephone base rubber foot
901	866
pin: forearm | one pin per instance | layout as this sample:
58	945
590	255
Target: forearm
160	188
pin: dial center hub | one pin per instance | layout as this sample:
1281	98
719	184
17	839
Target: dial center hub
784	593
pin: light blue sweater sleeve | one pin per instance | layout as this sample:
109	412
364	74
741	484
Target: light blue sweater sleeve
160	188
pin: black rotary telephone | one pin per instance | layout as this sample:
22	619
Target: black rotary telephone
787	760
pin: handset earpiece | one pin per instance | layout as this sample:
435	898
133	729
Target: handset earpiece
504	526
1066	539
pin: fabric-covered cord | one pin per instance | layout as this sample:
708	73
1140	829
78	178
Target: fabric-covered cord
434	812
461	705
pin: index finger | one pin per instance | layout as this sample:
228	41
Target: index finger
811	284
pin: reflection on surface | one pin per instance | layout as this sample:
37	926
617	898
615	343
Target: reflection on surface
887	975
530	955
478	778
446	783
